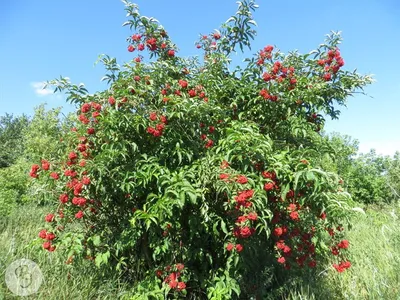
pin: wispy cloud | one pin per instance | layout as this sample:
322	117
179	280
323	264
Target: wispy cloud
38	89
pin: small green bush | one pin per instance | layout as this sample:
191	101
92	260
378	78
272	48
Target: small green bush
13	186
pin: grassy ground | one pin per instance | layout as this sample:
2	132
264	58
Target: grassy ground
375	256
374	253
60	280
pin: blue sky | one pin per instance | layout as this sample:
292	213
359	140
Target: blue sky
41	40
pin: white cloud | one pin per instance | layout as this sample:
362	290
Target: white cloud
38	89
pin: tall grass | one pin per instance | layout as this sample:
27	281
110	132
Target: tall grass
374	253
61	281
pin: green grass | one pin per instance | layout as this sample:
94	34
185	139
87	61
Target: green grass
375	255
61	281
374	252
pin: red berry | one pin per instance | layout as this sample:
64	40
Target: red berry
46	245
229	247
111	100
49	218
42	234
327	76
181	285
79	214
171	53
239	248
90	131
217	36
281	260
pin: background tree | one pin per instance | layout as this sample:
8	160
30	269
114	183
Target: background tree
11	138
393	174
43	133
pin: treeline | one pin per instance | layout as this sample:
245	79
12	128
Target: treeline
370	178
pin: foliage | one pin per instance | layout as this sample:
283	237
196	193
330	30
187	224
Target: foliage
43	134
369	178
343	151
24	140
195	180
11	138
375	254
42	138
61	281
393	174
13	186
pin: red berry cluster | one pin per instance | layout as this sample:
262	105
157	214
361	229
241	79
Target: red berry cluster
264	54
342	266
237	247
75	192
156	42
332	63
279	73
267	96
276	72
112	101
245	214
33	173
317	120
157	130
204	130
171	276
48	237
182	88
209	42
338	249
89	113
293	243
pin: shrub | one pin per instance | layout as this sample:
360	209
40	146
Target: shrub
43	134
370	178
13	187
192	179
42	138
341	153
393	173
11	138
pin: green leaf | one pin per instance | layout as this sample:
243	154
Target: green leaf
223	227
96	240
